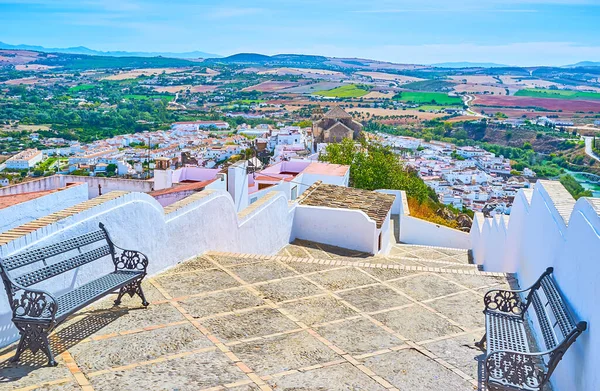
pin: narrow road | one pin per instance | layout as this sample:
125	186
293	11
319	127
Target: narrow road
588	148
468	100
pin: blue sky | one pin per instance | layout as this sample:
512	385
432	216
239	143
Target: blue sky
519	32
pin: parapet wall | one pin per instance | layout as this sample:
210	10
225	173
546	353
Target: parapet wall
205	221
548	228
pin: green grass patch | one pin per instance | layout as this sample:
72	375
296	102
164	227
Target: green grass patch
247	101
428	98
143	97
345	91
82	87
557	94
429	85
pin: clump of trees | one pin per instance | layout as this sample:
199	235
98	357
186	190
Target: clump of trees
373	166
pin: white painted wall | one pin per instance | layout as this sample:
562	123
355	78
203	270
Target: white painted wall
24	212
237	184
351	229
538	236
417	231
137	221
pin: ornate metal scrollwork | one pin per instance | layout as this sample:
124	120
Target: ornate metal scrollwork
33	304
504	301
131	289
515	369
131	260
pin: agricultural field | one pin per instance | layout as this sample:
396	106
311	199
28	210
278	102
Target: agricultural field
82	87
135	73
479	89
475	79
268	86
389	76
434	98
181	88
344	91
300	71
168	98
558	105
558	94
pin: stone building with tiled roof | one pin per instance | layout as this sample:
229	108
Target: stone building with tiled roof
334	126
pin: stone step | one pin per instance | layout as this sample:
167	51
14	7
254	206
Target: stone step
370	262
430	253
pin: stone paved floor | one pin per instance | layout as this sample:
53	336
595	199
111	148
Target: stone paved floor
233	322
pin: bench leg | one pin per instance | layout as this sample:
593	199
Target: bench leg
481	343
34	337
133	288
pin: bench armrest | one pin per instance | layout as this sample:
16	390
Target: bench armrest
33	304
522	370
129	260
505	301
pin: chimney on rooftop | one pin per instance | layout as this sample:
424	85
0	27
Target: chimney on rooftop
163	174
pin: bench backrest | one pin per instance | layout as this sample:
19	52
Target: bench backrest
556	323
51	265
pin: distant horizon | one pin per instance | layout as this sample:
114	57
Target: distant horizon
517	32
215	55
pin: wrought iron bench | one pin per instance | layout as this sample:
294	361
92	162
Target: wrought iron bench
37	312
510	364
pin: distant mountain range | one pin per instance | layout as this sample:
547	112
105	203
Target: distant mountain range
469	65
91	52
584	64
255	58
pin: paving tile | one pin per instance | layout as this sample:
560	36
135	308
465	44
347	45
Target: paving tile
459	351
302	267
479	281
408	369
123	320
195	264
342	377
69	386
261	271
428	253
232	260
417	323
374	298
178	285
426	286
464	308
250	324
358	336
190	373
288	289
284	353
218	302
31	370
319	310
342	279
388	274
129	349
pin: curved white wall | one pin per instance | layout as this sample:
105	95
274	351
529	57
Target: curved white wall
204	222
553	230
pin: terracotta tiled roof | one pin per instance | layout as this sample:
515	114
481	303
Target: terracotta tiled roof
375	205
336	112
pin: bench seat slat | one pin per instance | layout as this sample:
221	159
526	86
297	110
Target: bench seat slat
505	332
87	293
35	255
557	304
544	322
50	271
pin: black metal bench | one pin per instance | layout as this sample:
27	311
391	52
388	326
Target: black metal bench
37	312
510	364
